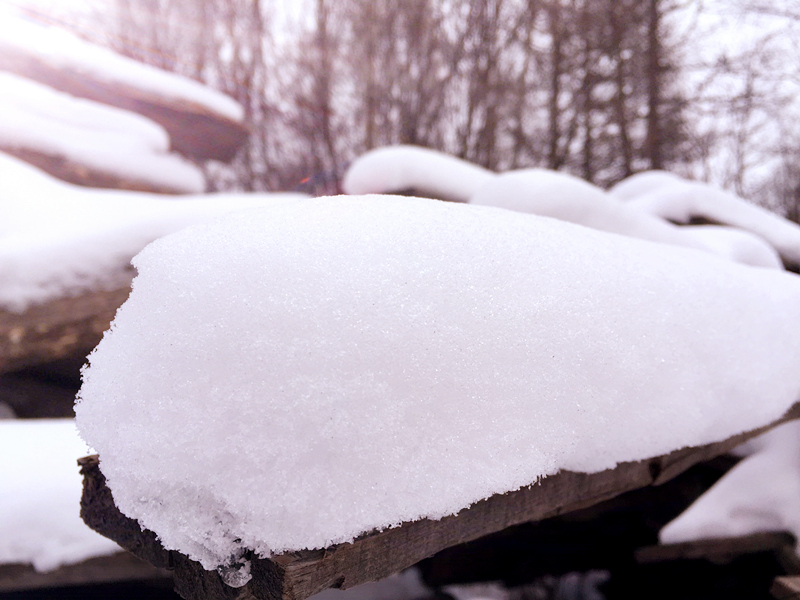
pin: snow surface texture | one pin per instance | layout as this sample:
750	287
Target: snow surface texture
112	141
365	361
426	172
58	239
40	496
681	200
68	52
761	493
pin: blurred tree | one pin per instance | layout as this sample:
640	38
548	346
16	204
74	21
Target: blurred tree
599	88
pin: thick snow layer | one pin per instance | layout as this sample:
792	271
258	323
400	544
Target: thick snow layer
115	142
291	377
427	172
40	492
66	51
643	183
761	493
553	194
58	239
682	200
737	245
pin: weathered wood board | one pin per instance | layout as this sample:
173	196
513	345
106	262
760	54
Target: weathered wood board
375	555
119	567
724	550
57	329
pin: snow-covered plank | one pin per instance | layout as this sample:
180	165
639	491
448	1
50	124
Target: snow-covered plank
119	567
298	575
202	123
89	143
56	329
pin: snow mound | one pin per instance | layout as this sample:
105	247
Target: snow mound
427	172
292	377
682	200
58	239
737	245
561	196
40	492
111	141
643	183
761	493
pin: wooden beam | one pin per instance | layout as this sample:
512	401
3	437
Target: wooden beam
375	555
57	329
119	567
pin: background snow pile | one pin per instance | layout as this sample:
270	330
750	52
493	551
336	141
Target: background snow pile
115	142
59	239
40	496
679	200
292	377
426	172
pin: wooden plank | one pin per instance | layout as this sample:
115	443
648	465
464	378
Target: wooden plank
194	130
786	588
719	550
57	329
119	567
375	555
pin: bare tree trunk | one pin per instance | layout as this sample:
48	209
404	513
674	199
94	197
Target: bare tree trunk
654	72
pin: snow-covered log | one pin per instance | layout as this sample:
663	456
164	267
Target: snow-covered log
88	143
202	123
372	556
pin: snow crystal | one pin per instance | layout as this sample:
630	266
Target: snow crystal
292	377
761	493
112	141
553	194
427	172
70	53
58	239
40	491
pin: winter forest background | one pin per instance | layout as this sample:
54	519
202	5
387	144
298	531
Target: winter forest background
598	88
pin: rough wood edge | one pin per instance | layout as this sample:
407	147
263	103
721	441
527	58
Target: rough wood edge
298	575
59	328
118	567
